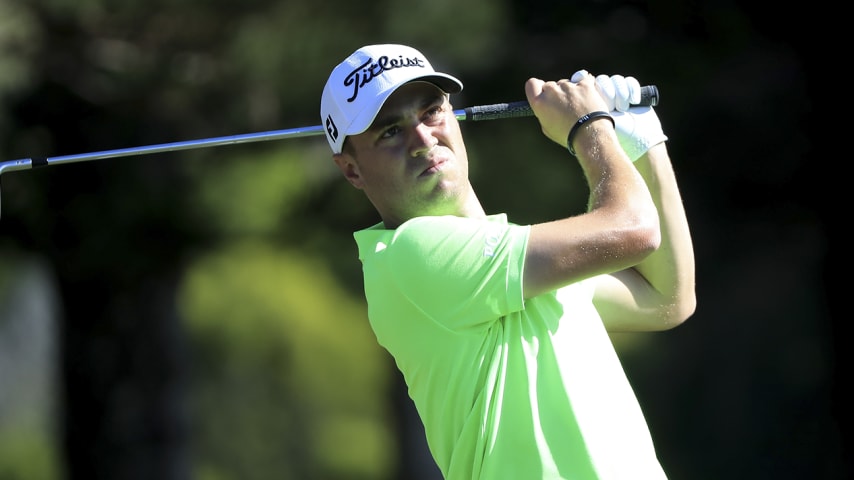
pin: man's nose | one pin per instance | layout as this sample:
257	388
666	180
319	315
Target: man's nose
423	140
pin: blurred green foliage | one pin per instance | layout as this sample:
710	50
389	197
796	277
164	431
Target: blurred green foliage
286	376
29	454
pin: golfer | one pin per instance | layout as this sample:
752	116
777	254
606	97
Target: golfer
501	329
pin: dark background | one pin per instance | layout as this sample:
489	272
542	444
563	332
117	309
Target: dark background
753	386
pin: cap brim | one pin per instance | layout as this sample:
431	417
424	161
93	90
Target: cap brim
444	81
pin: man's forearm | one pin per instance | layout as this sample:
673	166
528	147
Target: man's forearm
670	269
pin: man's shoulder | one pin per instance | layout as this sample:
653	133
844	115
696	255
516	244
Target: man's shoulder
434	235
453	221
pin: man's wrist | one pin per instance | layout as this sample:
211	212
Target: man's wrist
583	120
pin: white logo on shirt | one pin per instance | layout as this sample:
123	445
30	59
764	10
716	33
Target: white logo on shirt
493	238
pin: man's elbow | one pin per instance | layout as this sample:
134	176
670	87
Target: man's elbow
687	306
680	310
646	238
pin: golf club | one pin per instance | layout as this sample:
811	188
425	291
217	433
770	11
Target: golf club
649	97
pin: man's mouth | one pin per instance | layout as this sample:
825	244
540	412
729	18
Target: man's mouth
434	167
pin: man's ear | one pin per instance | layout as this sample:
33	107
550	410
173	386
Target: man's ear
348	168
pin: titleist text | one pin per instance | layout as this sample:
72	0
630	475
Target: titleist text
368	71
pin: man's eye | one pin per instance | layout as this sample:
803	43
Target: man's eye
390	132
435	113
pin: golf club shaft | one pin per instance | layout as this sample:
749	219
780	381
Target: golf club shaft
649	97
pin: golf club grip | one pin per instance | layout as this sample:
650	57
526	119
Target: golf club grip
649	98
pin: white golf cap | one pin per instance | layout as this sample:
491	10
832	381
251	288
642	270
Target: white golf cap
358	87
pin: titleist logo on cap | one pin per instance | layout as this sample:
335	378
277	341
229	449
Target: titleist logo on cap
369	70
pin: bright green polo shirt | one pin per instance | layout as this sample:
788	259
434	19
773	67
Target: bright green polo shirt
506	388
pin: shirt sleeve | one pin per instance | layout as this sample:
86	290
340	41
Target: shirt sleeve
461	272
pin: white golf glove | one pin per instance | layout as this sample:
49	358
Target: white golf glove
638	128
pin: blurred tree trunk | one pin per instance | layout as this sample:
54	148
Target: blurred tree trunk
416	461
124	380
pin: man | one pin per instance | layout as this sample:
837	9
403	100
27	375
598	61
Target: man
500	330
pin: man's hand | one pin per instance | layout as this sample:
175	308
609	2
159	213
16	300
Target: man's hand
638	128
559	104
